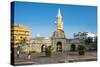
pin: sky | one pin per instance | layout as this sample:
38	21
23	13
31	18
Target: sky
41	18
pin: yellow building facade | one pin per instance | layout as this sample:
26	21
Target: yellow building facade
19	32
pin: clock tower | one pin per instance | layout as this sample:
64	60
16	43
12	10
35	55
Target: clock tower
58	38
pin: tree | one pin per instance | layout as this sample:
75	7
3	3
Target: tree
20	45
22	42
95	43
95	40
81	49
48	51
88	43
89	40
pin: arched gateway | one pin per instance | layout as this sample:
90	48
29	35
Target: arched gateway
59	47
43	48
73	47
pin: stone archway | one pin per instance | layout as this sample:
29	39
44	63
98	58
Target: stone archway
73	47
59	47
43	48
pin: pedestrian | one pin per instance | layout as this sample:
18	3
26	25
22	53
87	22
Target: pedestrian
18	54
29	55
18	51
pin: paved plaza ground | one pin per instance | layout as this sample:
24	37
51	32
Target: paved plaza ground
57	57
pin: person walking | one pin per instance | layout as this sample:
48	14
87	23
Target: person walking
18	51
29	55
18	54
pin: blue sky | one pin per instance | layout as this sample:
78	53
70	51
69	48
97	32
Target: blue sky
41	18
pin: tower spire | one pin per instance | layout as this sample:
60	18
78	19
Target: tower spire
59	14
59	23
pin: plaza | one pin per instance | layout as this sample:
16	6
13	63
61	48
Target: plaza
56	48
64	50
40	58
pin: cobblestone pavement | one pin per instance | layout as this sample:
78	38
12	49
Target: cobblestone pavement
57	57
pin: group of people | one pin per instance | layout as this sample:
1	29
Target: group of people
28	55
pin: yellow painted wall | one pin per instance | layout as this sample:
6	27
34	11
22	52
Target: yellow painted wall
19	32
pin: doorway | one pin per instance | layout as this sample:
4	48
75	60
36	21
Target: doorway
59	47
43	48
73	47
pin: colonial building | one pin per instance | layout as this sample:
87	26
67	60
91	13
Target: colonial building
39	43
58	41
84	35
19	32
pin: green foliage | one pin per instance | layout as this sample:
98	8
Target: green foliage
22	42
81	49
89	40
48	51
81	52
18	48
33	51
95	44
90	43
95	41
